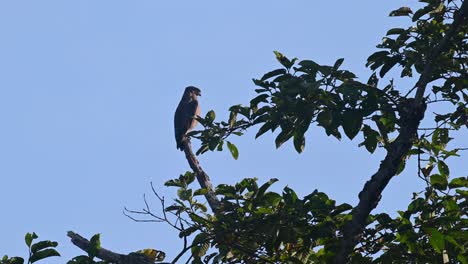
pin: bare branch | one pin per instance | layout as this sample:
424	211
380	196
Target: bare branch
202	177
155	218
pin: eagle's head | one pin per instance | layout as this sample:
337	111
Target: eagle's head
192	92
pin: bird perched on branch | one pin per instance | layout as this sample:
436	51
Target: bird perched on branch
186	112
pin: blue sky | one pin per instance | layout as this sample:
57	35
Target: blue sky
87	95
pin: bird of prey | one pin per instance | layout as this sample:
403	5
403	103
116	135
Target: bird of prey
184	118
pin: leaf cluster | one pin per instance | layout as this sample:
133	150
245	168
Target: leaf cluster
37	251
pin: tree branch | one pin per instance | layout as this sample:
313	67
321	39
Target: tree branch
426	75
107	255
202	177
411	113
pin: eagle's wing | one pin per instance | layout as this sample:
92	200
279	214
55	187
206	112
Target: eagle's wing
184	121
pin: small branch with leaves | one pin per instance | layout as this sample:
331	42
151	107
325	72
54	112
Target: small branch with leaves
94	249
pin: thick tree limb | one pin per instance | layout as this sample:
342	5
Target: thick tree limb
411	112
107	255
202	177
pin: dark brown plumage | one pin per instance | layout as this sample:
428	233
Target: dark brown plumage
187	109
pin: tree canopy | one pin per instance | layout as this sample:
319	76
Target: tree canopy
248	223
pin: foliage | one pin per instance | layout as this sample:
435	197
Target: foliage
302	93
95	245
256	225
46	249
37	251
252	228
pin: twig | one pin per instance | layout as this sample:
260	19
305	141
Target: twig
187	248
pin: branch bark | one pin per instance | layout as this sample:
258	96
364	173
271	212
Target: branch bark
411	113
107	255
202	177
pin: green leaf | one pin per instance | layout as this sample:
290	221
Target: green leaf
264	128
459	182
273	74
462	258
199	206
427	170
173	182
383	219
290	197
436	239
345	75
80	260
299	141
352	122
407	71
309	64
373	80
341	208
439	182
377	56
184	194
258	99
396	31
233	149
282	137
188	231
265	186
203	148
462	193
213	142
441	137
283	60
200	245
325	70
174	208
188	177
443	168
94	245
421	12
220	146
451	206
272	199
370	139
416	205
210	116
232	119
201	191
29	238
338	63
389	63
46	253
14	260
198	219
42	244
369	104
401	166
325	118
402	11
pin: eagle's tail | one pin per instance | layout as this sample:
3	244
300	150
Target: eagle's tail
179	141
